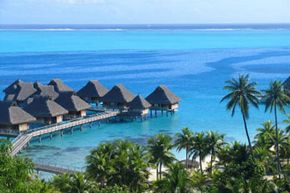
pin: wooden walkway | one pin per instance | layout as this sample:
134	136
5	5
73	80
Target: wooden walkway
55	169
22	140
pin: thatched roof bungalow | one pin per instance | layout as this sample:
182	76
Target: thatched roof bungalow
45	91
163	99
19	91
13	119
46	110
93	91
73	104
139	106
59	86
118	97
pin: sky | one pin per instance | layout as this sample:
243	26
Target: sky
143	11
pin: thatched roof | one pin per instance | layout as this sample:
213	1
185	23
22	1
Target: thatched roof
72	102
13	115
45	91
287	83
139	103
118	94
92	89
59	86
19	91
43	107
162	95
12	86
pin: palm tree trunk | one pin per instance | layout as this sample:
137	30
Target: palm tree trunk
200	164
247	133
160	171
211	160
157	172
277	143
186	159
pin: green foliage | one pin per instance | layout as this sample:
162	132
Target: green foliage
265	135
287	121
16	173
79	183
199	148
119	163
199	181
276	97
215	142
113	189
184	140
175	180
159	149
74	183
241	173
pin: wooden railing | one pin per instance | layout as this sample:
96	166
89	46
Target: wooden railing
55	169
21	141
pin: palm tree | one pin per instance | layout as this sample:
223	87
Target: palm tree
199	148
215	142
121	163
184	141
242	93
265	134
287	121
275	97
73	183
159	148
99	165
177	179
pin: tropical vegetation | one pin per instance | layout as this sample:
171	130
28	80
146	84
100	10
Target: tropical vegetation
211	163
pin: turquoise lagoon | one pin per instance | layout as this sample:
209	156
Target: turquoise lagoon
194	63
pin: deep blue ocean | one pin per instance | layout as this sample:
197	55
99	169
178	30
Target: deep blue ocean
193	61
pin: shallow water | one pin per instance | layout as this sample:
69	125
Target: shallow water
193	64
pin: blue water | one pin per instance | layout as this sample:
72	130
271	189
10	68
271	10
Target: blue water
194	63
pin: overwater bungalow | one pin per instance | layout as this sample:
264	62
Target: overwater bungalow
19	92
163	99
92	92
46	110
45	91
59	86
117	98
13	119
73	104
139	106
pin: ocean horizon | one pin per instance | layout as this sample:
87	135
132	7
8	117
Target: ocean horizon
233	26
194	61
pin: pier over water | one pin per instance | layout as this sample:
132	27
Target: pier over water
23	139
